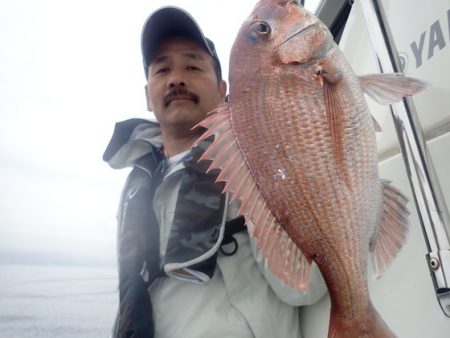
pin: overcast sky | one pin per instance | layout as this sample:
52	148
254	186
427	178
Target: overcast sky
68	71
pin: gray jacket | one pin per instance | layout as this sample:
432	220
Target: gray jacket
171	232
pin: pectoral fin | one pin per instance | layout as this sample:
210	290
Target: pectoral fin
332	89
390	88
282	255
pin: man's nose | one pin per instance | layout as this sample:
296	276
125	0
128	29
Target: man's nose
176	79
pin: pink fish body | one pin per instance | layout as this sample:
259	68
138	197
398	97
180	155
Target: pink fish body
296	145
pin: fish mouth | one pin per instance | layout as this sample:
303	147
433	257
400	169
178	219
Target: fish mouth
307	44
302	31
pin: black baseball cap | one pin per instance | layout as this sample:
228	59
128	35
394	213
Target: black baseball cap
171	21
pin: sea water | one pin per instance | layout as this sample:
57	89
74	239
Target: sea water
57	301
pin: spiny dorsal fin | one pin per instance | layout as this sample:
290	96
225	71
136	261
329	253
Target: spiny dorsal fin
391	233
282	255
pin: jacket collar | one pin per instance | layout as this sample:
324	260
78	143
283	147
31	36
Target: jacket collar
134	138
131	140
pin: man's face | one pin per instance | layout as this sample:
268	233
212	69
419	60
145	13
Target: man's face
182	85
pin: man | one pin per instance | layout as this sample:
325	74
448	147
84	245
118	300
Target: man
187	265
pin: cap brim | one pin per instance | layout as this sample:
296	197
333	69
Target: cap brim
166	22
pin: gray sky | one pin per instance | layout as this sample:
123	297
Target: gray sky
68	71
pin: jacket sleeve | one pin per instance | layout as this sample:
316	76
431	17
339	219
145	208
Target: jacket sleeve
134	318
286	293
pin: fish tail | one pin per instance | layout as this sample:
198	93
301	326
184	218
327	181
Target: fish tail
367	325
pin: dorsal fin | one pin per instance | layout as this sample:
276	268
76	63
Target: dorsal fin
393	228
282	255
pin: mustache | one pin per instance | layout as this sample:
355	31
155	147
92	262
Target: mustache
178	92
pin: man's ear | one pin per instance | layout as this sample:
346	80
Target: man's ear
223	89
149	100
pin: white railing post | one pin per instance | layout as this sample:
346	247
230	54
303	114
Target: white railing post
431	207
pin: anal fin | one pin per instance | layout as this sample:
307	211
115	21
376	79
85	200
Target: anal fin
391	233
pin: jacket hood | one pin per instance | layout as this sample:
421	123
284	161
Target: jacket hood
131	140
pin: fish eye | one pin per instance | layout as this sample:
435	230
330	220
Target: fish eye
262	28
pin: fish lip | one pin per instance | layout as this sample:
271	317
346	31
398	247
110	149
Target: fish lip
302	31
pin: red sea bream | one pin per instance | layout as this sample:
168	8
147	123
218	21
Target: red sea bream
296	145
